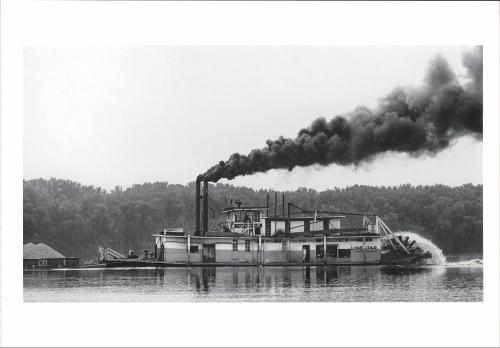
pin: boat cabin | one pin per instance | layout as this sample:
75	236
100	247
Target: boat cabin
264	235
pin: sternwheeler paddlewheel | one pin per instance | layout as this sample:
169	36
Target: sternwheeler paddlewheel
401	251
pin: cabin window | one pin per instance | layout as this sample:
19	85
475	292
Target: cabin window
193	249
235	245
344	253
45	262
246	218
283	245
326	225
331	250
320	251
247	245
40	263
237	216
368	239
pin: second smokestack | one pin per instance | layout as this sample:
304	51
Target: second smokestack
205	208
197	208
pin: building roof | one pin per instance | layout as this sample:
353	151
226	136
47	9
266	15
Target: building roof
40	251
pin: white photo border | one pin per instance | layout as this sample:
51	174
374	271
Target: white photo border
81	23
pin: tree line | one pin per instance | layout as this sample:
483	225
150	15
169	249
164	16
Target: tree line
76	219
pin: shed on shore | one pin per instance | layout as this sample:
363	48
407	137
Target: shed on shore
42	256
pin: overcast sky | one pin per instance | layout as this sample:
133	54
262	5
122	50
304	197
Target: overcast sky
110	116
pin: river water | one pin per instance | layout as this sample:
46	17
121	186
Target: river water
454	282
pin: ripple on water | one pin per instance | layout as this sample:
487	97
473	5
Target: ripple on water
450	282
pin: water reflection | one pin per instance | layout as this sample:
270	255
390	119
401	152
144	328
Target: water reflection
403	271
307	277
311	283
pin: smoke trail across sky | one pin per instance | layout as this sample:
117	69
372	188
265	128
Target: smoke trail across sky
416	121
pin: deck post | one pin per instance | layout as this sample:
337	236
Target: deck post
263	245
288	218
275	209
259	255
324	248
283	204
189	248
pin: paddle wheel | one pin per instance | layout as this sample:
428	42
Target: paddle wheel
399	249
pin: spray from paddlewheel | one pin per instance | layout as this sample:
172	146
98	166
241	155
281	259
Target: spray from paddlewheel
414	240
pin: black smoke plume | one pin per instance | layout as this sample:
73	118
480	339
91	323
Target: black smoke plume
417	121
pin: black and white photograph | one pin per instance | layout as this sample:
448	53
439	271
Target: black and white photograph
175	172
220	174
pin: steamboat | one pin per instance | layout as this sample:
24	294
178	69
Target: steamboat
285	234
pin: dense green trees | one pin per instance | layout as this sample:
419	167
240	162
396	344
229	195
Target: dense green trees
76	219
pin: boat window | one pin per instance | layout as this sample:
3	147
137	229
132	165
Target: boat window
331	250
246	217
237	216
344	253
368	239
247	245
235	245
320	251
193	249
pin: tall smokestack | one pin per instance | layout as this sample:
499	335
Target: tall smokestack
205	207
197	208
